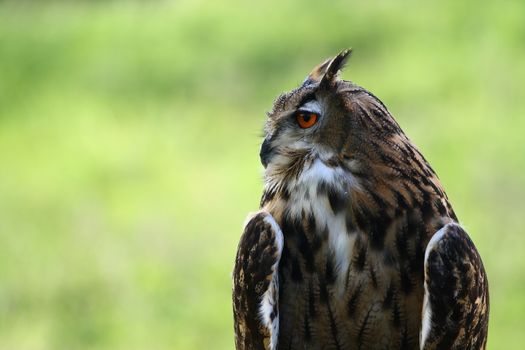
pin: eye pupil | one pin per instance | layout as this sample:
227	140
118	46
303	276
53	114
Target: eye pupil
306	120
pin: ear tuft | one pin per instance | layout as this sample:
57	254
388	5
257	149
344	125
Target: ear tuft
329	69
335	66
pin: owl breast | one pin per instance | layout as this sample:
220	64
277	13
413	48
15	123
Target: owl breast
337	290
317	203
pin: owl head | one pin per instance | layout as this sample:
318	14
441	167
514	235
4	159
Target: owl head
329	119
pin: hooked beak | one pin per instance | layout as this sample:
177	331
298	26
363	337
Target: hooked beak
266	152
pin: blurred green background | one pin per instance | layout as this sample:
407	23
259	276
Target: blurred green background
129	135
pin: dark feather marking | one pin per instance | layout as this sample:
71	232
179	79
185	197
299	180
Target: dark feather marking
338	201
267	196
307	334
410	192
451	211
362	328
288	227
401	204
378	231
372	122
362	216
426	209
387	159
373	276
402	245
297	274
416	260
285	194
361	258
380	203
396	314
333	327
436	189
352	302
388	257
389	128
292	230
414	224
387	302
350	226
405	344
323	291
305	249
440	207
311	224
333	162
406	282
329	271
311	302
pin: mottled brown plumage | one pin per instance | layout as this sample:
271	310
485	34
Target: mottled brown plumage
350	206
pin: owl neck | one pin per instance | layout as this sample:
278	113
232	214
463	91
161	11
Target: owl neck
365	196
312	208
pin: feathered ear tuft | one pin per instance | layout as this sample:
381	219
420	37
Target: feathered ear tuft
328	70
334	68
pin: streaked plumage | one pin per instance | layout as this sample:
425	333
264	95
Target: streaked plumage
338	257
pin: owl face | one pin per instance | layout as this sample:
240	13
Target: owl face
332	122
311	119
326	118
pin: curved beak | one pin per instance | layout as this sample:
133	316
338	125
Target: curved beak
266	152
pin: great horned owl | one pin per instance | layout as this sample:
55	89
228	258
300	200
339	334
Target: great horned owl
356	245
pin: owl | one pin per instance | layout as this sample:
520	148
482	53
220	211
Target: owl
355	245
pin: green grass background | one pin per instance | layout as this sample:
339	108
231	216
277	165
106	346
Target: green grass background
129	135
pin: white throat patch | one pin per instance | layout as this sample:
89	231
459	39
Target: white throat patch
306	199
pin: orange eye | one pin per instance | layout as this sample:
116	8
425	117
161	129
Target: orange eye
306	119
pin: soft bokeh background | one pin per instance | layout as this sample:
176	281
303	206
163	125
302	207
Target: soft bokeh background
129	135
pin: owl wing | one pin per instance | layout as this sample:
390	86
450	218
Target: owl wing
456	301
256	285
